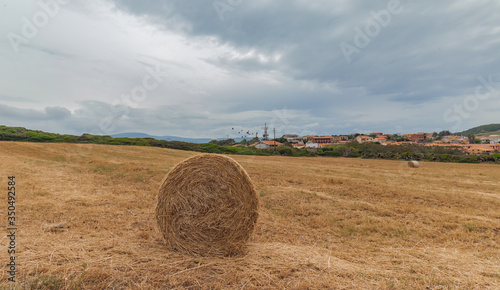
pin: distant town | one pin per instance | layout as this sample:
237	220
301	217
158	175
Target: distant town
471	145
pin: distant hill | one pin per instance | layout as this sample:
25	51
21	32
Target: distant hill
490	129
166	138
170	138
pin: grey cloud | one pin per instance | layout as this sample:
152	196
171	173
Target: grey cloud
57	113
48	114
264	56
428	51
20	114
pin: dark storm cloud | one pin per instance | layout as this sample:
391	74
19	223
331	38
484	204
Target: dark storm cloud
425	52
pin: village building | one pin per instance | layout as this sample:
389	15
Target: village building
485	139
321	139
364	139
495	147
266	144
450	138
494	139
337	139
292	138
381	139
419	137
480	150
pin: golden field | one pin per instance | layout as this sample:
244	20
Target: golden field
324	223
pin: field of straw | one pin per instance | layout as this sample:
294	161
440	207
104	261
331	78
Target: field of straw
324	223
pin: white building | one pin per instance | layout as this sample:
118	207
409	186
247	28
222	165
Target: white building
266	144
494	139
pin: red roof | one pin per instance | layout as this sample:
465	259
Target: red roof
272	143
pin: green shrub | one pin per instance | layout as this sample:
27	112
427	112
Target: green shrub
468	159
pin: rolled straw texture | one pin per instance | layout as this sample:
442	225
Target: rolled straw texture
413	164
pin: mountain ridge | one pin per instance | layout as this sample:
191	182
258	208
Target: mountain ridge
166	137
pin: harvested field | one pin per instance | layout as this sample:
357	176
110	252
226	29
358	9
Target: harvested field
324	223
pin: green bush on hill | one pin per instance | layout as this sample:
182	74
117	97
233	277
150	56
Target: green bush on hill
480	130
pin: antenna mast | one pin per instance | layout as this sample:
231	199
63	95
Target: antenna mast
265	136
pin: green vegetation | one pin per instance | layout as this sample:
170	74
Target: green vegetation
229	141
405	152
287	151
396	138
491	128
444	133
355	150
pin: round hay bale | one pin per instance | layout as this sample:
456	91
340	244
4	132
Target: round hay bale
208	206
413	164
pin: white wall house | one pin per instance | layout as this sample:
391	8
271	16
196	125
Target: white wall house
266	144
262	145
494	139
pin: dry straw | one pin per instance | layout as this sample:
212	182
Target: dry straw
207	205
413	164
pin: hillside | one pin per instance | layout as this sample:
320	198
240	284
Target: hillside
486	130
166	138
324	223
489	133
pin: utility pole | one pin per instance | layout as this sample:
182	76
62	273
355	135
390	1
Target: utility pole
274	140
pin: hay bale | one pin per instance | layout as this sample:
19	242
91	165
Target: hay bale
207	205
413	164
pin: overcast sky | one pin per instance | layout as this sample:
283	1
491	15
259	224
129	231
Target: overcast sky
199	68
